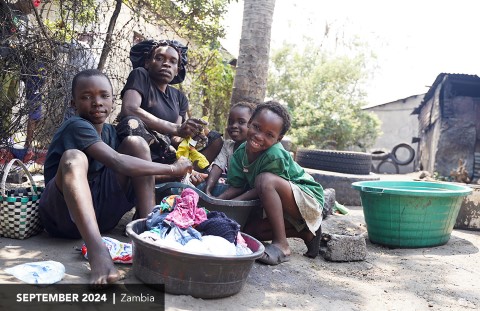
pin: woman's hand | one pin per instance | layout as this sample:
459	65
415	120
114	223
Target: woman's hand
181	167
190	128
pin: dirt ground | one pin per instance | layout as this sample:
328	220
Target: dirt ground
437	278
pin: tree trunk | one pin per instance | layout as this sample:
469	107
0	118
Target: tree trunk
250	83
107	45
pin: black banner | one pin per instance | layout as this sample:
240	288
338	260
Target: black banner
59	297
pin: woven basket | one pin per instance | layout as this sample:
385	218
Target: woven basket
19	207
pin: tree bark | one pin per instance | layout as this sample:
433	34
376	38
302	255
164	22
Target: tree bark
107	45
250	83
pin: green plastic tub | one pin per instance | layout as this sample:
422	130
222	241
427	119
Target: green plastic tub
410	214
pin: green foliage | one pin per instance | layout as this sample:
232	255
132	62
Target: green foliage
73	15
195	20
60	32
324	95
211	78
210	91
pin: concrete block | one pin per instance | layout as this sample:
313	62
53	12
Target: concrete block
469	215
338	247
343	239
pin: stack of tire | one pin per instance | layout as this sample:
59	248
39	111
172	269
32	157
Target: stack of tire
346	162
389	162
338	170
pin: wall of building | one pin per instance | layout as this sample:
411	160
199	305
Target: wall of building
458	135
398	125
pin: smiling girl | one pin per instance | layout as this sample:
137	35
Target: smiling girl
238	118
292	200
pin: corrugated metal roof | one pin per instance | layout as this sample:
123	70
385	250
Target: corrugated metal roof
451	77
454	78
394	101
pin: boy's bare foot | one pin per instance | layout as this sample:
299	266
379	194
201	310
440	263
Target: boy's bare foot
103	270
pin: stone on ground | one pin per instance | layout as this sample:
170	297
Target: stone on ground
343	239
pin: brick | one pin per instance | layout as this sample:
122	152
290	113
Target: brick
339	247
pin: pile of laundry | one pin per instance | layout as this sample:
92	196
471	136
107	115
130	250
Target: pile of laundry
179	223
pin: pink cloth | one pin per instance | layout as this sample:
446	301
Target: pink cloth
241	240
186	212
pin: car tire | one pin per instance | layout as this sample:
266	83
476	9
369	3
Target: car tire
347	162
380	154
382	167
410	157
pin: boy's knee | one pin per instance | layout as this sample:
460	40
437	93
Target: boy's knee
136	141
135	146
73	155
73	158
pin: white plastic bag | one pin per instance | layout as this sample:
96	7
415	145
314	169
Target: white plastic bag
40	272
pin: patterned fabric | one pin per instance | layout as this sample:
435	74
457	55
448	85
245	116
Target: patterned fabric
133	126
160	145
167	204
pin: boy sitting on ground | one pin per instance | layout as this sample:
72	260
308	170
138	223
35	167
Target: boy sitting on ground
92	180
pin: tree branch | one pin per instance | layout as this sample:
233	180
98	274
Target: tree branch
107	45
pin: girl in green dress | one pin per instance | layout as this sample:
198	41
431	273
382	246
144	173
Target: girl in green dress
292	200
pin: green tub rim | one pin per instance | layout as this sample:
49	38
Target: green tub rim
413	188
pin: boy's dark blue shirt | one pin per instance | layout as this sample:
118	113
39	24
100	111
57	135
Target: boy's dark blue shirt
77	133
